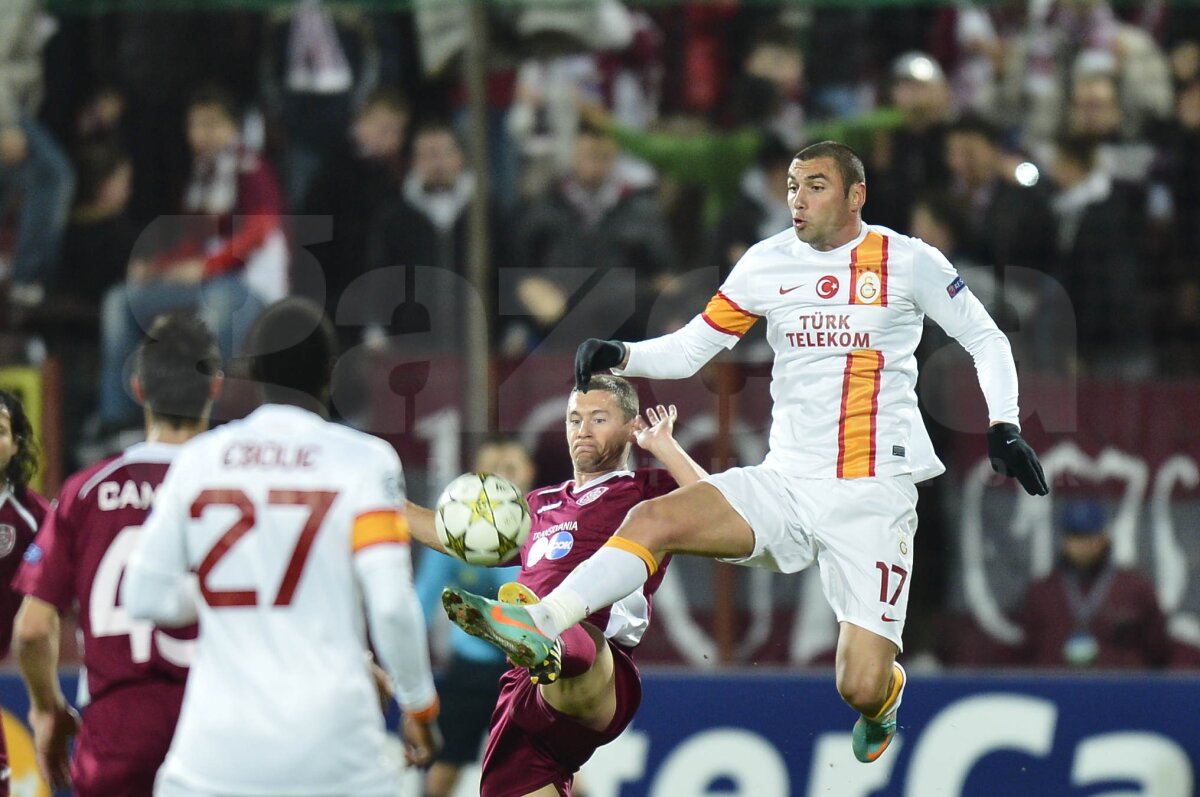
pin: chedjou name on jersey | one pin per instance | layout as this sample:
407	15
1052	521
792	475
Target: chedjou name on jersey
268	454
827	330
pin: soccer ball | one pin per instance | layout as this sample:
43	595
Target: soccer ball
482	519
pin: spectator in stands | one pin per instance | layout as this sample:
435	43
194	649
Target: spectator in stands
910	160
760	210
425	231
1090	612
352	187
545	113
1096	262
470	680
1178	289
319	64
100	237
228	257
591	219
1069	38
1096	113
1008	223
31	163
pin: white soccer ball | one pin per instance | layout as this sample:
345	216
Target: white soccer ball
482	519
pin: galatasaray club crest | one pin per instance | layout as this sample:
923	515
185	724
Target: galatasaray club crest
8	539
868	287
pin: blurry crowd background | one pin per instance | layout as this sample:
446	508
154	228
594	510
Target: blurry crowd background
156	159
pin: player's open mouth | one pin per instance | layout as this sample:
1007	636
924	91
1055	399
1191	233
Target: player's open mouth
798	222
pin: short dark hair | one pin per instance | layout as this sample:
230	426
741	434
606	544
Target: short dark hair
622	391
946	211
435	125
849	165
212	95
972	124
292	349
176	364
24	464
94	165
1080	149
389	97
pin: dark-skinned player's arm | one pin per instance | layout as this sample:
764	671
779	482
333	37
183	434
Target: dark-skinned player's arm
420	525
54	722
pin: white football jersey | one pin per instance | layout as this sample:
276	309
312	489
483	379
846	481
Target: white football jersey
844	325
270	512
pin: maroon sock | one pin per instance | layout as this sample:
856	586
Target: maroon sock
578	651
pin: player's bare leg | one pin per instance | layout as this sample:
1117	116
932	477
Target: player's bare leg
441	779
591	696
696	519
578	679
872	683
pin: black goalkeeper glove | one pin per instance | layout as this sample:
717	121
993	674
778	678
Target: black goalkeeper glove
1012	456
596	355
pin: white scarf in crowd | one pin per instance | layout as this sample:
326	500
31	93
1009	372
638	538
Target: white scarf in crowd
442	207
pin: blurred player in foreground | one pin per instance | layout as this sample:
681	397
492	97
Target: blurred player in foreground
845	304
290	524
550	719
470	682
21	513
135	674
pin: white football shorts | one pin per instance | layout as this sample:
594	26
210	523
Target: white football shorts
859	531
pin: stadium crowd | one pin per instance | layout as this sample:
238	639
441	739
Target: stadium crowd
151	160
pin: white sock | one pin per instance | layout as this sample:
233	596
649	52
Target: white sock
607	576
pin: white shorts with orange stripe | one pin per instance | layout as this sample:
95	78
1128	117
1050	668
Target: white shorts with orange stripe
859	532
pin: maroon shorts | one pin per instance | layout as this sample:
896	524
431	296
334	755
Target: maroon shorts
124	739
532	745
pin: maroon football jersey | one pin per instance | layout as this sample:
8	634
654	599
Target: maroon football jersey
21	513
571	523
79	558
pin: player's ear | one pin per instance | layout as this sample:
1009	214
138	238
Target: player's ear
139	394
215	387
858	196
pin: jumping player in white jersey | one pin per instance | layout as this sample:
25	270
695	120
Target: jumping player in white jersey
845	302
290	524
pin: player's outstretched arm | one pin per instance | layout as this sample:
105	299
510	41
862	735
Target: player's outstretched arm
420	525
655	434
676	355
35	639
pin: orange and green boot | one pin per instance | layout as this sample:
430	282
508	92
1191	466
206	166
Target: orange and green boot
507	626
872	736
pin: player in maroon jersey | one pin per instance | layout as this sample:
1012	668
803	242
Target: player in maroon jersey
549	720
135	672
21	512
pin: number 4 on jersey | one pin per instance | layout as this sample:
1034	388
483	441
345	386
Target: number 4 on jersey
318	503
107	619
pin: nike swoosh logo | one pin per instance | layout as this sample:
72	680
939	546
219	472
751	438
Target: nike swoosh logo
783	291
500	617
1010	442
887	619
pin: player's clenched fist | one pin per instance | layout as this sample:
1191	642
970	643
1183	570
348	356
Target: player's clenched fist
1012	456
596	355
